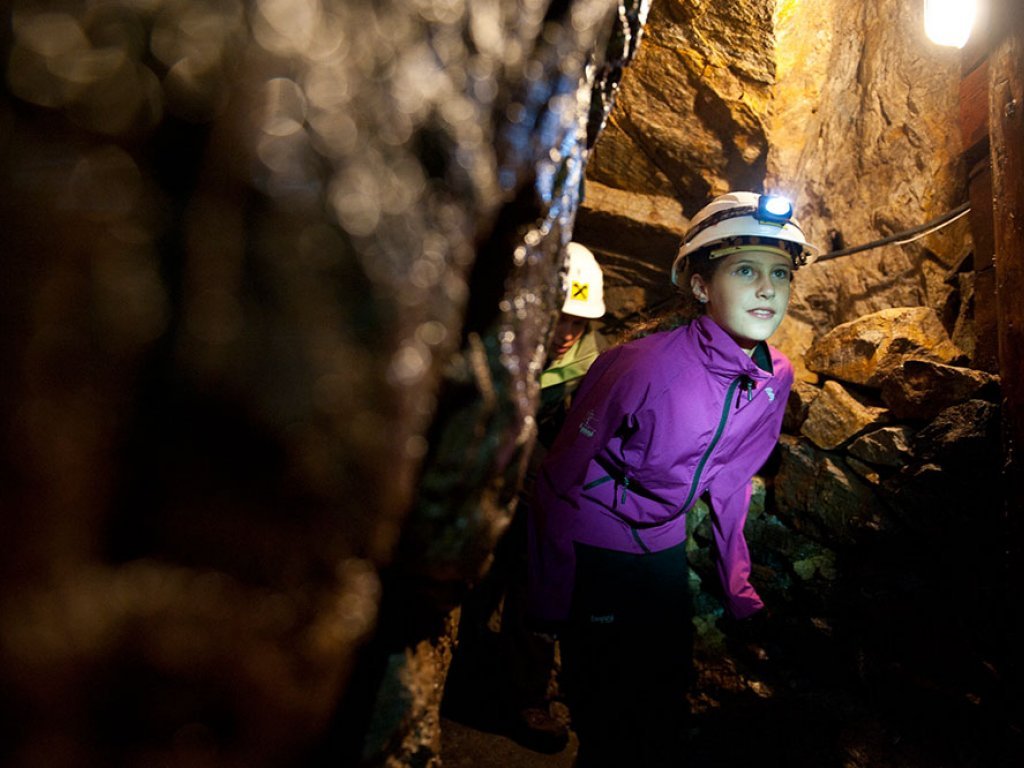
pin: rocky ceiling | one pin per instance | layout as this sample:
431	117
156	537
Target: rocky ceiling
842	104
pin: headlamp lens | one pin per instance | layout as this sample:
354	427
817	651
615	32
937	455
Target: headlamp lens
774	208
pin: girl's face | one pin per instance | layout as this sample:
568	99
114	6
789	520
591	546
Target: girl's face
747	295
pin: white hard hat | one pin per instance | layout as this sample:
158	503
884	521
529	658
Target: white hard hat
584	295
740	220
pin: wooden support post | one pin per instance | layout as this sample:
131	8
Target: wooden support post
1006	128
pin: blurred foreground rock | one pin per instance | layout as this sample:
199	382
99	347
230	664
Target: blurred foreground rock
268	269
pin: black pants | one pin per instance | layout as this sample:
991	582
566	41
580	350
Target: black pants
496	674
627	657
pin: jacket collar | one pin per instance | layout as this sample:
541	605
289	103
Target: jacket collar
724	357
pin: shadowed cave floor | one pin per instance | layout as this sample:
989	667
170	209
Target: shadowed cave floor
804	707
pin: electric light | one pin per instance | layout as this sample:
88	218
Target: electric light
949	22
774	208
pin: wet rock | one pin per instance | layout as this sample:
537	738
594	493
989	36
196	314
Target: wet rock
277	276
835	416
862	350
818	494
888	446
919	389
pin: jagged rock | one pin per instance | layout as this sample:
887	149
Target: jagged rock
793	338
277	320
925	496
791	568
888	446
613	217
864	471
635	238
801	396
964	332
863	350
958	471
691	115
835	416
817	493
920	389
860	134
816	566
965	434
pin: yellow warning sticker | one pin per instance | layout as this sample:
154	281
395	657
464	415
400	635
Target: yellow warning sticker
579	291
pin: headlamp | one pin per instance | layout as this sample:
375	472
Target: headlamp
773	208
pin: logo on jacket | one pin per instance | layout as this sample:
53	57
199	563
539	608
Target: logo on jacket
771	394
588	426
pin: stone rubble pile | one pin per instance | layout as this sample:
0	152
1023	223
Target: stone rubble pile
895	449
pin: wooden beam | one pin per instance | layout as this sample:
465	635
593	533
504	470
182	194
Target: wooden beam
986	322
974	113
1006	127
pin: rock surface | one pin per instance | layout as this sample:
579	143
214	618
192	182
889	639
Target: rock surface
920	389
888	446
276	284
846	111
835	416
861	351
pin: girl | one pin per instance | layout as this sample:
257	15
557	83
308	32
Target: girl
658	423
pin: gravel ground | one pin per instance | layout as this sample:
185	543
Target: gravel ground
803	707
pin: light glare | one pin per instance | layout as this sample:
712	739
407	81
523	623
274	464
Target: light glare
778	206
949	22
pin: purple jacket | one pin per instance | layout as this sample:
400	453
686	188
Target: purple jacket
656	424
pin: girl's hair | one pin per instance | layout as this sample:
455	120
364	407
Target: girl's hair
686	308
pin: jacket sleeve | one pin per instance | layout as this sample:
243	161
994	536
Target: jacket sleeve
728	518
604	403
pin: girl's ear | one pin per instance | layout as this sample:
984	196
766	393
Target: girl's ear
700	290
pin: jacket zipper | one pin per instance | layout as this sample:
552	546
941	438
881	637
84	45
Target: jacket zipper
746	383
695	483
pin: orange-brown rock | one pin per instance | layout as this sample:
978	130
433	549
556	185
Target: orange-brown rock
690	117
920	389
800	398
818	494
860	135
847	111
862	350
888	447
835	416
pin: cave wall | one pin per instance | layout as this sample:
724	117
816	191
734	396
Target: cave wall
865	136
267	265
845	107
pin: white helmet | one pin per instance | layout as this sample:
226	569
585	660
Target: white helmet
584	295
740	220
